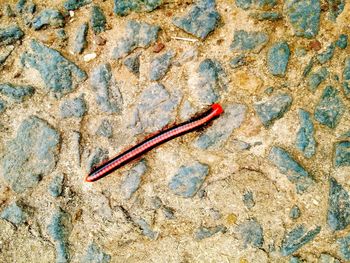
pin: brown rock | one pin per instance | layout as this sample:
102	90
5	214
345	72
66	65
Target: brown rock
158	47
315	45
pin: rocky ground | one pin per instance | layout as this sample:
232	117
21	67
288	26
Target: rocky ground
82	80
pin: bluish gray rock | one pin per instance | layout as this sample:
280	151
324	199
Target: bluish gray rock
201	19
124	7
251	233
305	141
188	179
80	39
59	74
160	65
205	232
8	11
56	185
155	109
168	212
75	4
58	229
344	249
14	214
338	215
132	179
304	16
9	35
20	5
271	16
61	34
98	20
105	129
209	82
238	61
216	135
248	199
330	108
249	41
247	4
5	54
294	213
2	106
146	229
346	78
73	107
16	93
94	254
336	7
289	167
327	54
297	238
342	154
273	108
315	79
132	63
308	67
48	17
138	34
108	95
31	155
342	41
95	158
277	58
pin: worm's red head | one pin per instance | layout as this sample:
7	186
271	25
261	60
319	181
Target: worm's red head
217	109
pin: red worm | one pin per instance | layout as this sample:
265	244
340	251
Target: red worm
150	143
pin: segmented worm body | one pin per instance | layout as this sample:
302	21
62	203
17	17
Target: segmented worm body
150	143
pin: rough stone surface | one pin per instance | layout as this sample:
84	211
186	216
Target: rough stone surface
344	250
248	4
342	41
124	7
16	93
251	233
73	107
305	141
132	63
160	65
56	185
105	129
132	179
80	39
98	20
14	214
315	79
294	213
10	35
327	54
94	254
48	17
206	232
277	59
346	77
75	4
342	154
248	41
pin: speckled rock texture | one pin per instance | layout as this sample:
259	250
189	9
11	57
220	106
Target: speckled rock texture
265	182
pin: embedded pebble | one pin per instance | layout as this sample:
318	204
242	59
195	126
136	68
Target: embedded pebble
9	35
98	20
16	93
248	41
344	244
200	20
336	7
277	59
297	238
238	61
146	229
291	168
31	155
273	108
73	107
105	129
132	179
248	199
315	79
132	63
75	4
294	212
342	154
94	254
330	108
271	16
48	17
56	185
89	57
14	214
251	233
188	179
327	54
124	7
206	232
305	141
342	41
95	158
346	78
160	65
247	4
80	39
2	106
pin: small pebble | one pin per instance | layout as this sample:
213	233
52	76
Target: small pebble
158	47
89	57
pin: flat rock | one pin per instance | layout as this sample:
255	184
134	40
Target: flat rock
132	63
251	233
342	154
216	135
48	17
188	179
60	75
124	7
247	41
291	168
98	20
31	155
305	141
9	35
73	107
80	42
14	214
94	254
330	108
160	65
16	93
304	16
132	179
200	20
316	78
277	58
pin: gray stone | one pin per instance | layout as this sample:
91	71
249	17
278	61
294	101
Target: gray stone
273	108
56	185
346	78
16	93
206	232
160	65
94	254
2	106
132	179
342	41
251	233
59	74
5	54
216	135
238	61
291	168
73	107
248	41
294	212
98	20
271	16
132	63
146	229
75	4
315	79
95	158
277	58
31	155
14	214
169	213
308	67
138	34
297	238
108	95
330	108
188	179
200	20
155	109
80	39
9	35
344	243
105	129
304	16
327	54
336	7
48	17
124	7
305	141
247	4
248	199
338	216
342	154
